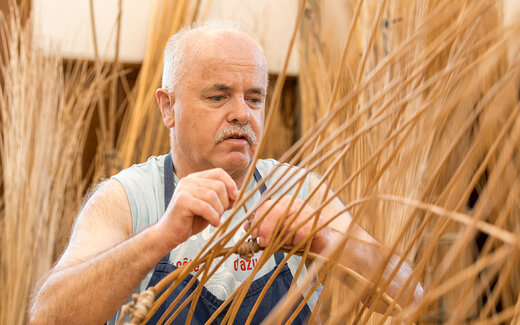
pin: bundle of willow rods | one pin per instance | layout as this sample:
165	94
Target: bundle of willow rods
142	133
45	111
418	130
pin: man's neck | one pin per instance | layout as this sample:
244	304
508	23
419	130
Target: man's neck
180	171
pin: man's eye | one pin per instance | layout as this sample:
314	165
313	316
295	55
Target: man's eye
217	98
255	100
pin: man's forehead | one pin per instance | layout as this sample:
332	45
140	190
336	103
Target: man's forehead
225	44
219	86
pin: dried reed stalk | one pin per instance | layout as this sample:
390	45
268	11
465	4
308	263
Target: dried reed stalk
45	112
142	133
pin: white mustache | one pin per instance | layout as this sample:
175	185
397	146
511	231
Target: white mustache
237	129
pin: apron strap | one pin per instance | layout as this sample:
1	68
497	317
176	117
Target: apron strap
169	188
278	257
169	180
258	179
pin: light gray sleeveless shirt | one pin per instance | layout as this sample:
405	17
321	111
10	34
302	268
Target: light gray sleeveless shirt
144	186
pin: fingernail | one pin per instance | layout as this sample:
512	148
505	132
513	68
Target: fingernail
255	233
235	193
261	241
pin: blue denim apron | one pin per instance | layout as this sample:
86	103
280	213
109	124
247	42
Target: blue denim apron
208	303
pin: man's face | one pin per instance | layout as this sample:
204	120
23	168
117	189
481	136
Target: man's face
219	105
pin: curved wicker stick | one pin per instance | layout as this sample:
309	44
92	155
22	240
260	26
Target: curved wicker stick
433	209
315	224
290	300
463	198
244	250
277	229
278	241
483	262
493	185
476	288
198	290
429	186
501	220
263	260
487	228
343	59
480	170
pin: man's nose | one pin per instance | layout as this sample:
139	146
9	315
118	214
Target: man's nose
239	112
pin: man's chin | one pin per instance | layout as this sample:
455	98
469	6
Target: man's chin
235	163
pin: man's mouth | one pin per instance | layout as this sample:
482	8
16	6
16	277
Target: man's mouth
238	136
236	133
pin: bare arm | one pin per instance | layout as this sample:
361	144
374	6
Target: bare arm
100	267
103	264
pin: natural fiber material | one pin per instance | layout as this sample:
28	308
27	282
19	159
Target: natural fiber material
410	112
45	112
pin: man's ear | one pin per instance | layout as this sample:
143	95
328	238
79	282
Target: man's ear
166	101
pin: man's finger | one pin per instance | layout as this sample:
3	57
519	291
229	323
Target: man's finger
213	198
218	188
220	174
205	210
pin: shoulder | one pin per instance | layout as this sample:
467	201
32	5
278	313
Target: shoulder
104	221
143	184
265	166
284	176
142	171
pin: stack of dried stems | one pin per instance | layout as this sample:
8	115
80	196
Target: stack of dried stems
142	133
45	112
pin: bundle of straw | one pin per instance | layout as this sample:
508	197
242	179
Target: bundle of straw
45	112
142	133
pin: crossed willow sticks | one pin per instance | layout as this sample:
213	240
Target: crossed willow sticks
384	107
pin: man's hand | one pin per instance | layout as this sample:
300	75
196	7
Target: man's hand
302	224
199	200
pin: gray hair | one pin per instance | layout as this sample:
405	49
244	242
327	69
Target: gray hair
175	59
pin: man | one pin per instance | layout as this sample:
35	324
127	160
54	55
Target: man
213	100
